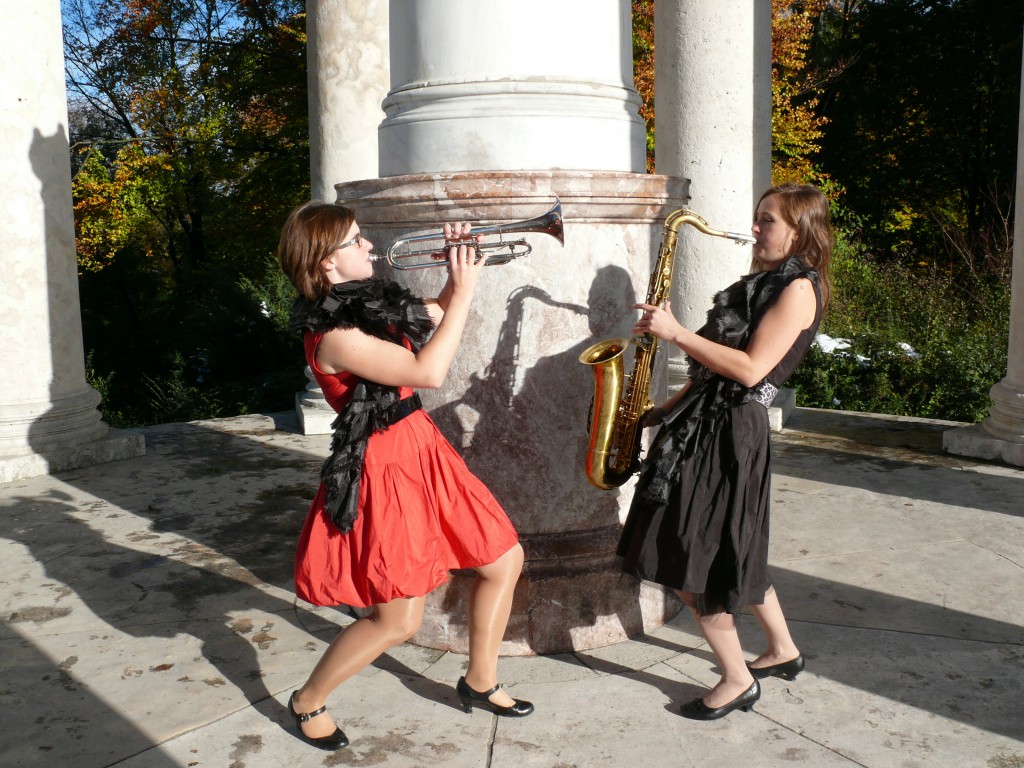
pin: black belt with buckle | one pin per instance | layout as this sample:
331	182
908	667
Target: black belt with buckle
403	408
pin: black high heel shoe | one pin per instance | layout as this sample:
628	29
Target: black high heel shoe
336	740
787	670
468	696
698	710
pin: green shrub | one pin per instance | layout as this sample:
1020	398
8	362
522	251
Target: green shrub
923	340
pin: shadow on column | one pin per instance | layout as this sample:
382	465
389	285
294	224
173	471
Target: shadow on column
528	445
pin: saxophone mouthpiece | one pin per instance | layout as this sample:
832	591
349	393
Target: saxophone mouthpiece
740	239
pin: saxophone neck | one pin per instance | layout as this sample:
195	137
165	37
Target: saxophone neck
682	216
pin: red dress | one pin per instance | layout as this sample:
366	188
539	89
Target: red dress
422	513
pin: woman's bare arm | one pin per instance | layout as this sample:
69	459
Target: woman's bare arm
775	334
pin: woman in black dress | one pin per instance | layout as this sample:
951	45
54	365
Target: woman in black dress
698	522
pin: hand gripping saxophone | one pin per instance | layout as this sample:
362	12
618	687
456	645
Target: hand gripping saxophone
620	402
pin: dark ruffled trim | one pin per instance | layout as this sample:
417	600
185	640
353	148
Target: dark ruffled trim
380	308
731	319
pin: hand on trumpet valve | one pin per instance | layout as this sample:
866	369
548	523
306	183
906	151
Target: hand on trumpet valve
463	260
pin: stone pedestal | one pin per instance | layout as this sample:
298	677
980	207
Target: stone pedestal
48	416
516	403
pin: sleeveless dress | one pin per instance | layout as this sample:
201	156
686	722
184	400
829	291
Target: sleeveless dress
699	519
422	513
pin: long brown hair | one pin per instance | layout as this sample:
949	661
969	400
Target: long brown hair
310	233
805	209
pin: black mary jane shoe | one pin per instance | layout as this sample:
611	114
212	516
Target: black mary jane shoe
698	710
336	740
468	697
787	670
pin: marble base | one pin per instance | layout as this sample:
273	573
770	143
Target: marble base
516	403
782	407
315	418
975	442
114	446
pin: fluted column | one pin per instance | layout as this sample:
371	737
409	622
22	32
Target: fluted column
1001	435
48	415
712	88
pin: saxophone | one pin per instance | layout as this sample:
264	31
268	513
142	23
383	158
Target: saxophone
620	402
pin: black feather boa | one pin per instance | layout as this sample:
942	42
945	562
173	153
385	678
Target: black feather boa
732	319
380	308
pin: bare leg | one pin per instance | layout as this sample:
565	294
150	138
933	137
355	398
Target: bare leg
719	629
490	603
781	647
354	648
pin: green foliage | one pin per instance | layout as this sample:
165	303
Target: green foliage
274	295
919	164
189	127
191	123
921	342
922	102
171	398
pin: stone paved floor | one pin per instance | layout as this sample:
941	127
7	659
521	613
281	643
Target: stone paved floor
148	622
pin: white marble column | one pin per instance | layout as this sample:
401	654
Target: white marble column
48	416
347	47
712	87
521	85
1001	435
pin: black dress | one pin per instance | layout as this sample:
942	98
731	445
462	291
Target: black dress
699	517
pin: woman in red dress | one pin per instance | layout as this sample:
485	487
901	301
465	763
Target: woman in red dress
397	508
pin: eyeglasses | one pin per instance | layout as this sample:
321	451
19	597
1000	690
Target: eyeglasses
357	241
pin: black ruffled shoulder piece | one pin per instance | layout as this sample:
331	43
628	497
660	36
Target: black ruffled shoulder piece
736	310
380	308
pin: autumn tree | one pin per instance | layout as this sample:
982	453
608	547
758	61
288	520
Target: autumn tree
796	124
643	69
797	127
923	117
189	126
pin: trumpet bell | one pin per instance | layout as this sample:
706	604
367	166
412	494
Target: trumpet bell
424	251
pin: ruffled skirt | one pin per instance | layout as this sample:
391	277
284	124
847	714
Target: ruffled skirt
422	513
705	529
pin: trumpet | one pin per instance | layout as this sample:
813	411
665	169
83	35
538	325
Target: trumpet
424	251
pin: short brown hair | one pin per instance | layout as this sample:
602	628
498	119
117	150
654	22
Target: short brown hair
310	233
